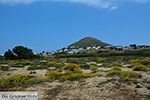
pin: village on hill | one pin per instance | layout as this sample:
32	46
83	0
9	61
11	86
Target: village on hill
74	48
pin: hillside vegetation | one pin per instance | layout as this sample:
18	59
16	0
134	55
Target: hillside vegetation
88	42
94	53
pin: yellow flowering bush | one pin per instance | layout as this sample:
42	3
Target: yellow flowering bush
53	74
72	58
15	80
73	68
52	63
70	72
101	60
117	63
130	75
116	67
61	59
87	75
140	68
143	61
36	78
111	65
76	76
113	72
135	62
107	65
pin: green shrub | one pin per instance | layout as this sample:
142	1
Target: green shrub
20	64
4	67
140	68
75	77
85	66
37	80
105	82
2	57
55	64
94	69
23	62
148	87
71	60
37	67
144	52
32	72
123	80
113	72
82	80
138	86
42	62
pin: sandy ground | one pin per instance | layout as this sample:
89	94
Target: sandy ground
14	71
88	90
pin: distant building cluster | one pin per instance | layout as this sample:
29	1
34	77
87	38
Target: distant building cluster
75	50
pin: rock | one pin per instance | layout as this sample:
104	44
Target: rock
90	63
52	68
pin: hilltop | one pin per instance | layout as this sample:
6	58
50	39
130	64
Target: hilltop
88	42
93	45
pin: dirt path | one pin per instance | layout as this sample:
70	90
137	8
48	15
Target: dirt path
14	71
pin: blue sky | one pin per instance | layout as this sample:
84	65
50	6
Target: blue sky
46	25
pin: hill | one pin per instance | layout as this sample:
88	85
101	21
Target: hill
88	42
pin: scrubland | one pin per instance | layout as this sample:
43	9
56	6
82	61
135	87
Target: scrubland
84	78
